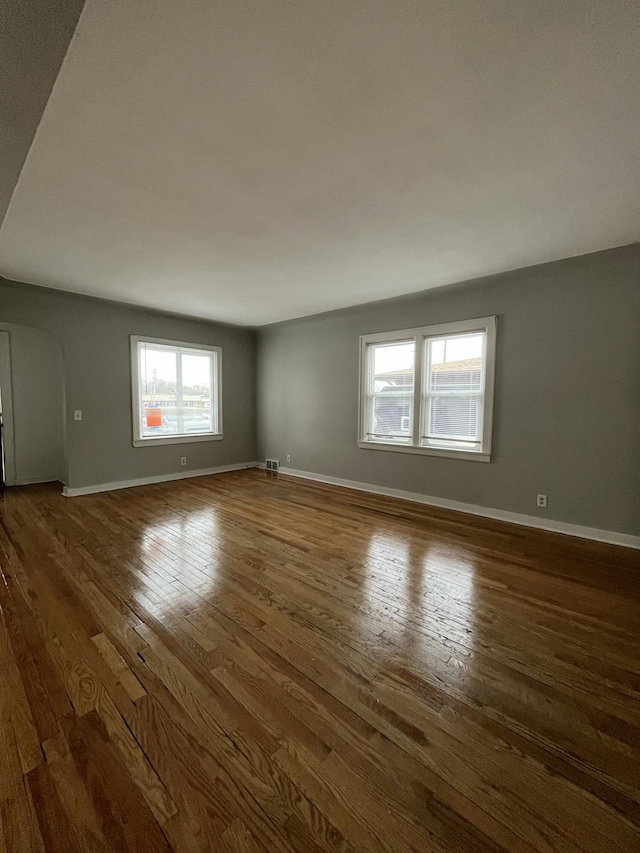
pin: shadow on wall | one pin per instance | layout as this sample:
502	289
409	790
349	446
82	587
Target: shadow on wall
33	405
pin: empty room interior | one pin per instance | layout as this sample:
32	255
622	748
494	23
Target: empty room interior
320	426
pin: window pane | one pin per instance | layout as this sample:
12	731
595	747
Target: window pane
196	393
393	367
456	417
392	418
455	363
158	391
391	382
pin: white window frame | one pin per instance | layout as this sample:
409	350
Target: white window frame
420	337
216	391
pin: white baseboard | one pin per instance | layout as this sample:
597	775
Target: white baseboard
549	524
147	481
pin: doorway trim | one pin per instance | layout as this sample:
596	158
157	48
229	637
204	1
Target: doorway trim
8	436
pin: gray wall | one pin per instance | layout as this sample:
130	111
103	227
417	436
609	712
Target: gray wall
37	393
567	407
94	335
34	36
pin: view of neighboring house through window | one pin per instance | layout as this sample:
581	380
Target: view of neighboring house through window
429	390
176	391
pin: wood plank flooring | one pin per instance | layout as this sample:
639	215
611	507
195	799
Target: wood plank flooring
249	662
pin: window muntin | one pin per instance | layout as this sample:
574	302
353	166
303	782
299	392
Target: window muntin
176	391
430	390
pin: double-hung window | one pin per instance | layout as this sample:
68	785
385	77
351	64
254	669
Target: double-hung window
176	391
429	390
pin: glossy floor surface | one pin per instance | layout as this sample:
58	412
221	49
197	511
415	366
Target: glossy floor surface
249	662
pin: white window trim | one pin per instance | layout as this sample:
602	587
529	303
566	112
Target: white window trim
138	439
482	324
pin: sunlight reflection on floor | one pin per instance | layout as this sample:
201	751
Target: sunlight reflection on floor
426	594
190	546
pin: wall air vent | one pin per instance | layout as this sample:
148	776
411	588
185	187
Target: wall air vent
272	464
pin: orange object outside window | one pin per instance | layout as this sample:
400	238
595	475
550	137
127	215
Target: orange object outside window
153	416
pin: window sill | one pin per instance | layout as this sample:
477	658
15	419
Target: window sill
469	455
177	439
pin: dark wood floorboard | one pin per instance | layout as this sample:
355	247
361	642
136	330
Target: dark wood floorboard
250	662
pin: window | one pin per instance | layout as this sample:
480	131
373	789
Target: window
429	390
176	392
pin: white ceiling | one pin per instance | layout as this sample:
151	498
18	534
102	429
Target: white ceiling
256	160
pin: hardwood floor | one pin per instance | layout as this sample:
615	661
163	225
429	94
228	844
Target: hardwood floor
249	662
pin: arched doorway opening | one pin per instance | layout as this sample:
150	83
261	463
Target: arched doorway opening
31	406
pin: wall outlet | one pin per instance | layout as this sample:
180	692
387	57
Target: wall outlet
77	415
288	457
183	460
542	501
